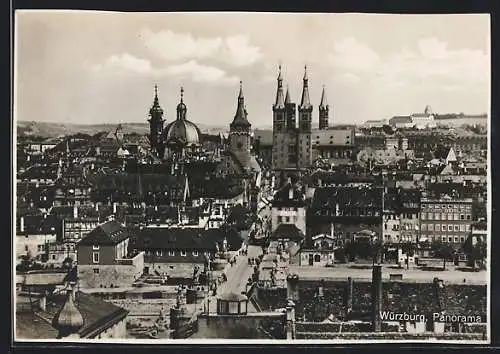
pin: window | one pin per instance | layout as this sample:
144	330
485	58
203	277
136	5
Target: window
468	216
95	247
467	227
171	253
450	227
443	227
438	216
95	257
462	239
53	257
424	216
430	227
443	238
159	252
195	253
455	239
450	239
183	253
96	270
462	217
456	228
431	216
455	216
424	227
462	228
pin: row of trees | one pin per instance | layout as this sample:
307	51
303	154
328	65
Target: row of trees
378	252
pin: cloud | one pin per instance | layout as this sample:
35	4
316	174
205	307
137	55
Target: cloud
200	73
349	54
431	63
125	62
234	50
348	78
191	70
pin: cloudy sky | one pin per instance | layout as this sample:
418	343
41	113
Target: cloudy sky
95	67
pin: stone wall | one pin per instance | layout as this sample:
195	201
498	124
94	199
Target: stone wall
177	270
117	331
241	327
108	276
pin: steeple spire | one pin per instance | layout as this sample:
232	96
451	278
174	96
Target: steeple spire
181	107
287	97
240	118
305	102
156	109
280	102
240	95
324	102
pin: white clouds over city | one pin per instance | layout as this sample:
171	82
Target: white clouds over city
374	66
233	50
430	61
183	55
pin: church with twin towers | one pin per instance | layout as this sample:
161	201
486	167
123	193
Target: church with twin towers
296	144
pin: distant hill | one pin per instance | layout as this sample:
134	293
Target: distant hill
54	130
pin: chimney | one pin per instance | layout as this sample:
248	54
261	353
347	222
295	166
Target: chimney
42	304
290	320
376	297
320	291
75	211
349	295
21	224
292	287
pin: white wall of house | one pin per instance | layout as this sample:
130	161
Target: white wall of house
288	215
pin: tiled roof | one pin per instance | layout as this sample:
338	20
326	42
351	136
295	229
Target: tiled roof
40	225
400	119
282	196
109	233
328	197
184	238
97	316
287	231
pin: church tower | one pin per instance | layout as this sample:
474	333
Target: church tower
290	109
156	122
305	128
239	132
279	155
324	110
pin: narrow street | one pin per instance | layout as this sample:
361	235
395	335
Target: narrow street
237	276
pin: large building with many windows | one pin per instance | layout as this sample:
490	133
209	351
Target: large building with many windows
446	219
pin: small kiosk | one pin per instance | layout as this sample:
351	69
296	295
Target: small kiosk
232	304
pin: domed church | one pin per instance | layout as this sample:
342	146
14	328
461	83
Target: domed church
179	137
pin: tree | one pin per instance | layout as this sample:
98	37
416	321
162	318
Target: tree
377	249
479	253
476	252
442	250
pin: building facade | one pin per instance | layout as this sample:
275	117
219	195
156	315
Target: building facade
446	220
104	259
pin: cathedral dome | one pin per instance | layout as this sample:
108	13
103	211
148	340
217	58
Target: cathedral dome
181	131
